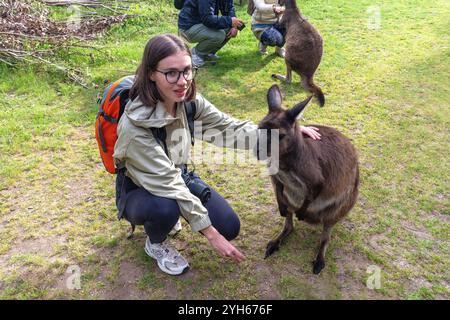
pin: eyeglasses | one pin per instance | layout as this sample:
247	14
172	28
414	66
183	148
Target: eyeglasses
172	76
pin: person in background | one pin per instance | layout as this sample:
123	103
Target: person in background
199	22
265	27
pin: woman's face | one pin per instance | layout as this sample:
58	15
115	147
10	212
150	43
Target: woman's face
172	65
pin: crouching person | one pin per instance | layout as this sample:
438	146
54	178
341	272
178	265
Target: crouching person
265	25
150	189
199	22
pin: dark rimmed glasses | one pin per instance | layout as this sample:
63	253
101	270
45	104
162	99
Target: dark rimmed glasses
172	76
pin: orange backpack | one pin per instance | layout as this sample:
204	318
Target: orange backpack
111	108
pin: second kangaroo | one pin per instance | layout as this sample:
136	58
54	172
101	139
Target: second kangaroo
304	48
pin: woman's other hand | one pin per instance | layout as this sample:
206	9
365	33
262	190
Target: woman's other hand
222	245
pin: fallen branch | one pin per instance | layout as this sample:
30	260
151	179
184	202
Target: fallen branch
28	34
6	62
71	73
71	2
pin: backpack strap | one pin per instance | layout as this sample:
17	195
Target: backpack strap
191	110
124	98
160	134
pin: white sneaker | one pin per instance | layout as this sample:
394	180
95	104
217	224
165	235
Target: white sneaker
280	52
169	259
176	228
262	49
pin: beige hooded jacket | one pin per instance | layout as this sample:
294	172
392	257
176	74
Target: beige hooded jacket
264	15
149	167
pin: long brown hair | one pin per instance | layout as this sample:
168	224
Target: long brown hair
157	48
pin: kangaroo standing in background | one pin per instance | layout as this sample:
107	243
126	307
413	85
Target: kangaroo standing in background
304	48
317	179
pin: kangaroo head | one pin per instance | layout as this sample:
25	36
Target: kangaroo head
279	123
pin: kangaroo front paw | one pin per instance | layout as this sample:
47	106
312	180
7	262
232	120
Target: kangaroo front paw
272	246
318	265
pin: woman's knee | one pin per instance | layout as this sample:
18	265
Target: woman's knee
228	224
272	37
232	229
222	216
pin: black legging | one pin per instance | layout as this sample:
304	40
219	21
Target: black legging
158	215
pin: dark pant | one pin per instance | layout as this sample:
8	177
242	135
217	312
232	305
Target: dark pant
158	215
208	40
273	36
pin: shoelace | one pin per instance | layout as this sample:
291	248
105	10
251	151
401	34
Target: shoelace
172	253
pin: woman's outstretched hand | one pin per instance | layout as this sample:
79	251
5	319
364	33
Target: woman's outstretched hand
311	131
222	245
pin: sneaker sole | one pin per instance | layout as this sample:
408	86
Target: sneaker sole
163	268
173	233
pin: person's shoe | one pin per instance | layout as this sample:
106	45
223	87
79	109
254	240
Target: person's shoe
197	60
280	52
176	228
262	49
213	57
169	259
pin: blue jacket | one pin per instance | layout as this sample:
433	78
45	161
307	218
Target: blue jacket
206	12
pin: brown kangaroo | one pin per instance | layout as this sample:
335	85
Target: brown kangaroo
316	179
304	48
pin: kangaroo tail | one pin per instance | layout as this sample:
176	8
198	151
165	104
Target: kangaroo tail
311	86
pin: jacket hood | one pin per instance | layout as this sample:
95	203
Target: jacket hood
149	117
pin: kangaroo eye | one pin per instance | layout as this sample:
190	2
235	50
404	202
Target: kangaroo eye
281	136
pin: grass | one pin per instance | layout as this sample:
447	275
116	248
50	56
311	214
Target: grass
387	89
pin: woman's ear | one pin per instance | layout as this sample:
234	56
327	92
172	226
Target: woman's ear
151	76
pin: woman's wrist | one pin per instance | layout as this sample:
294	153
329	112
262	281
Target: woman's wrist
210	232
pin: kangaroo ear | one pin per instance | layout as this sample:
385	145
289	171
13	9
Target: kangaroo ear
297	109
274	98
